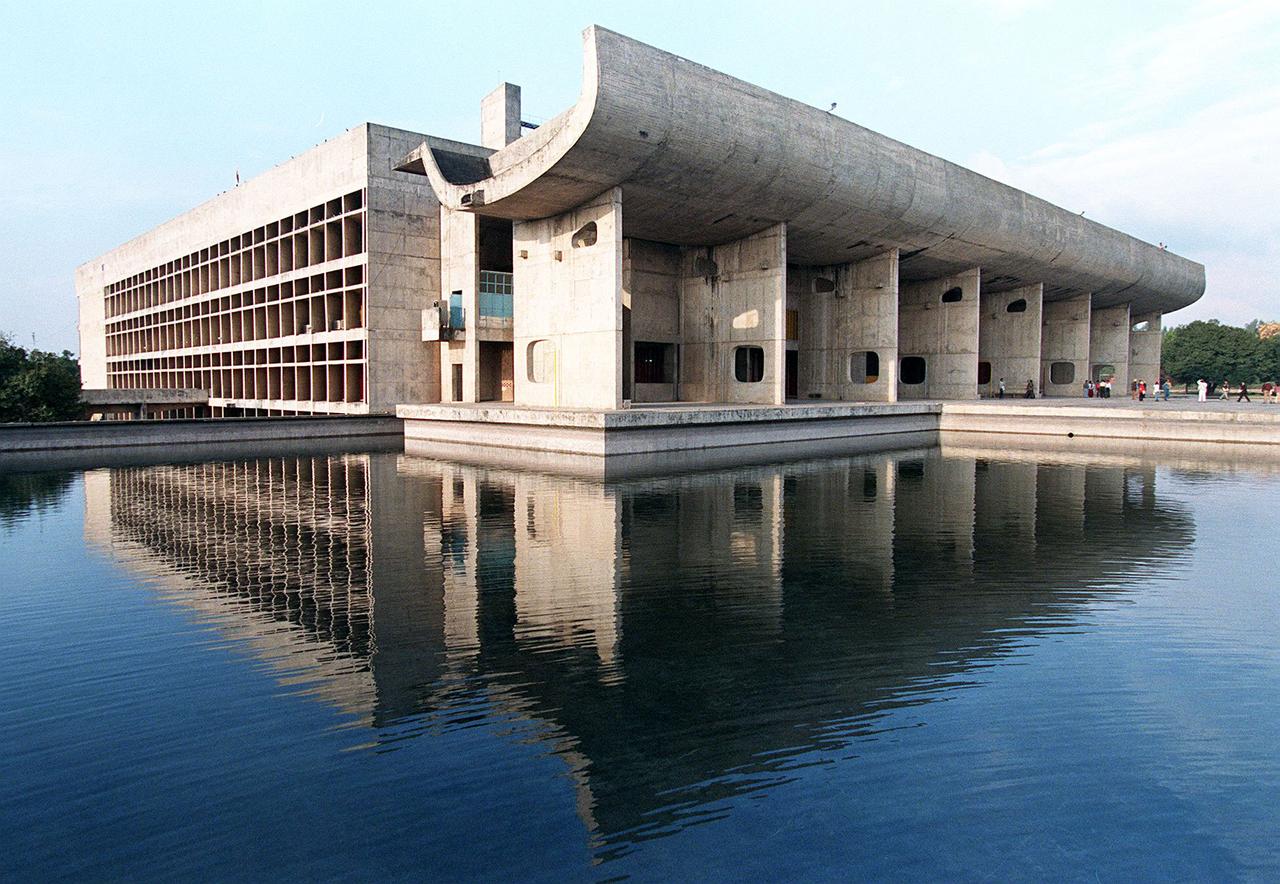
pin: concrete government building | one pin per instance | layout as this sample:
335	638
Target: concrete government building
676	236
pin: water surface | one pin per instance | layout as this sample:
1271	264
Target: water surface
948	663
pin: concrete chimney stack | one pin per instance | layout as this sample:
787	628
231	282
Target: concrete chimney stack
500	116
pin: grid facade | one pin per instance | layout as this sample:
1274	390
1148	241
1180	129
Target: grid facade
271	321
286	537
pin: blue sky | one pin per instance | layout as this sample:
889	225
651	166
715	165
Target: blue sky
1161	119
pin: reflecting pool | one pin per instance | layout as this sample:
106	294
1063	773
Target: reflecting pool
940	663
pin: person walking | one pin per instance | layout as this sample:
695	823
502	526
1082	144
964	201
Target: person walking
1142	391
1244	393
1031	390
1266	392
1001	388
1202	390
1166	388
1226	391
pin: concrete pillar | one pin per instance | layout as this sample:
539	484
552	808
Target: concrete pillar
1145	339
938	322
500	116
572	529
733	299
568	307
1064	346
651	294
460	272
1009	340
845	313
1109	346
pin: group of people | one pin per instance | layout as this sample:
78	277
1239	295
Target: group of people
1270	391
1029	393
1097	389
1139	389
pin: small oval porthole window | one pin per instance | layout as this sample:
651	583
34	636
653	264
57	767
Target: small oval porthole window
1062	373
953	294
1018	306
586	235
822	285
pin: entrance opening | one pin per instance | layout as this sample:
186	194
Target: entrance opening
793	374
457	383
984	373
497	371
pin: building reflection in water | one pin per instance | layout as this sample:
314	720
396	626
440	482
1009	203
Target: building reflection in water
676	641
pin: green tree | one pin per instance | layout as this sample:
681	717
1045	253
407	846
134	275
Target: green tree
1215	352
37	386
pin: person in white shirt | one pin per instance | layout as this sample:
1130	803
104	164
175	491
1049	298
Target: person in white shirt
1203	387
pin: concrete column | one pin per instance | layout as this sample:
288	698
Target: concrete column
574	530
845	313
500	116
943	331
460	272
1064	341
734	296
651	292
568	307
1009	339
1109	346
1145	339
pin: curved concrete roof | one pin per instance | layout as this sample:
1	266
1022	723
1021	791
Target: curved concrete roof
704	158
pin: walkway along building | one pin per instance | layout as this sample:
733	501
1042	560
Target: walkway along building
676	236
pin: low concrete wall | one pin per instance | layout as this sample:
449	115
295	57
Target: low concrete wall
1149	424
83	435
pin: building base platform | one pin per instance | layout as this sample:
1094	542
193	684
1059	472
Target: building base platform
691	435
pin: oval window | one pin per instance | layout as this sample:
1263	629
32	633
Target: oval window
1018	306
952	295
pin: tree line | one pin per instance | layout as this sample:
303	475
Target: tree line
1216	352
37	386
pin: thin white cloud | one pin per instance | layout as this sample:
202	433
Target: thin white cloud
1186	156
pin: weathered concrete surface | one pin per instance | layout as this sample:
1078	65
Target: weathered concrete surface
1165	421
651	300
1010	341
1109	346
944	334
568	318
677	134
845	312
460	272
15	438
1064	337
500	116
1145	341
144	396
734	296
